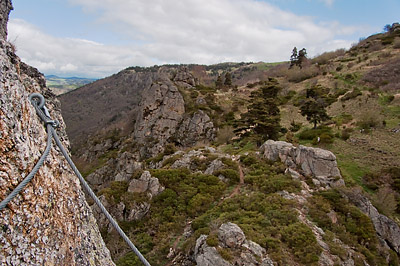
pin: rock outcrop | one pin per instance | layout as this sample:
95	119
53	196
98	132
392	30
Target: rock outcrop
146	183
161	110
195	128
49	222
386	229
317	163
231	237
162	119
5	8
185	79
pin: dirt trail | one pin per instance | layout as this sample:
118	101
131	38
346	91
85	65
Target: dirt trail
236	190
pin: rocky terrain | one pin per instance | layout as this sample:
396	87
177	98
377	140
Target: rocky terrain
161	147
49	222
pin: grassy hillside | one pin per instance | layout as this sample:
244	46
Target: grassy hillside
360	91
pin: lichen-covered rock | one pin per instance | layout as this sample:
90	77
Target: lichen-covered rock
386	229
206	255
49	222
194	129
146	183
214	166
5	8
184	78
161	110
314	162
231	237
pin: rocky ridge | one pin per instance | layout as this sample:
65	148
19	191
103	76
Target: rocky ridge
49	222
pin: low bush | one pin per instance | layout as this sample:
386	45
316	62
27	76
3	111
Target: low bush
345	134
311	134
302	241
369	120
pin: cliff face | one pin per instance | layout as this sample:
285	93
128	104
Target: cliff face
49	222
5	8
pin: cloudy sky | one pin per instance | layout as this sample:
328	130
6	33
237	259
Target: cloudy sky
96	38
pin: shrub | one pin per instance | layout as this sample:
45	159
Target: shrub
345	134
298	75
231	174
302	241
224	135
294	127
326	138
169	149
385	201
311	134
369	120
114	192
212	240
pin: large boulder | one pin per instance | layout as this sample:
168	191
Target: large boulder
146	183
231	237
49	222
313	162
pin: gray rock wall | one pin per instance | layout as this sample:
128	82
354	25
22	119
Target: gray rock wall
5	8
49	222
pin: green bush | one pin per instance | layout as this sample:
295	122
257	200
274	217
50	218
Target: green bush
231	174
302	241
212	240
345	134
311	134
114	192
326	138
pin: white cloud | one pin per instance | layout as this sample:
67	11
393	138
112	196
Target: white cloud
69	56
169	31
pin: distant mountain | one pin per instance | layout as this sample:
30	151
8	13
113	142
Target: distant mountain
61	85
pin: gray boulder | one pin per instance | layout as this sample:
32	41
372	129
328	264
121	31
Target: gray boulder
314	162
214	166
146	183
231	237
206	255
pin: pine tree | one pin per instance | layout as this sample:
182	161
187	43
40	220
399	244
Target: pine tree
293	58
228	79
314	110
219	83
302	57
314	107
263	115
